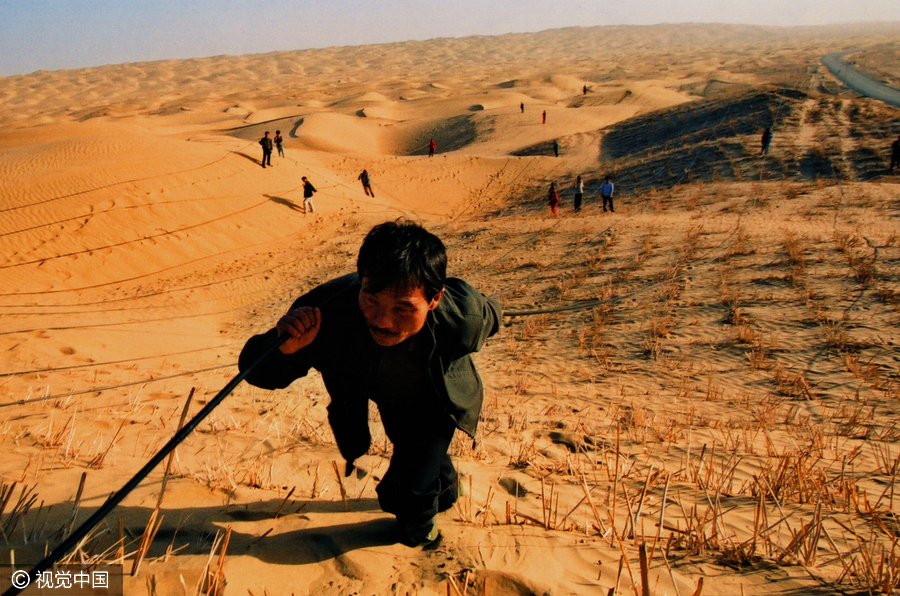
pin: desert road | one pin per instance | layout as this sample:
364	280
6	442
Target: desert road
859	82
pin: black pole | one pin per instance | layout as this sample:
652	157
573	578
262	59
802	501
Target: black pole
63	547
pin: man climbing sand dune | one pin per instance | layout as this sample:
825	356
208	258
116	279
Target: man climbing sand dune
131	197
398	332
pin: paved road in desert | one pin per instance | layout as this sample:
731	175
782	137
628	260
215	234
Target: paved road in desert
859	82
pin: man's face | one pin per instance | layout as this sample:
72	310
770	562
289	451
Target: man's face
396	313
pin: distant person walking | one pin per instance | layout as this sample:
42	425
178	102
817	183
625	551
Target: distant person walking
556	148
553	198
584	90
266	143
431	147
579	193
544	117
895	154
278	141
765	140
606	193
367	186
522	107
308	191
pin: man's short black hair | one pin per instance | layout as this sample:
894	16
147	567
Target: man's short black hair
402	253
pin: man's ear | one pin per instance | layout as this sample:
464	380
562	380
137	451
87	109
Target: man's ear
434	301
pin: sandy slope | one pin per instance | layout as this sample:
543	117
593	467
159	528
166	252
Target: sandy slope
744	351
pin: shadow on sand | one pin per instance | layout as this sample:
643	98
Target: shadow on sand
191	531
245	156
286	202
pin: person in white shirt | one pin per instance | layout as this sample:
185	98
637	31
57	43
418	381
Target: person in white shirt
579	193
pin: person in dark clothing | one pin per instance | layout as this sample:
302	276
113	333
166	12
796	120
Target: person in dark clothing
765	140
308	191
895	154
522	107
556	148
367	185
401	333
584	90
544	117
266	143
431	147
279	140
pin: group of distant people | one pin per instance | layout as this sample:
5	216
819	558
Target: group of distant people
607	189
267	145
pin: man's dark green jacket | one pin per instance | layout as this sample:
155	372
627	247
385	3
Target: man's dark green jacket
462	321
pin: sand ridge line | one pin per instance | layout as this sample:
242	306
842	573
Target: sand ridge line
136	240
111	362
92	214
244	307
156	292
114	184
131	279
117	386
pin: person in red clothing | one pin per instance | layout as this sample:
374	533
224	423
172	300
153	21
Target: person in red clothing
553	198
431	147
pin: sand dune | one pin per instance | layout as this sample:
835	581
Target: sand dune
724	397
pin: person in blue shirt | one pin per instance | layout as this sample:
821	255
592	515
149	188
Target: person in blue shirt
606	193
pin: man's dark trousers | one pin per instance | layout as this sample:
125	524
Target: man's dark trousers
420	481
607	200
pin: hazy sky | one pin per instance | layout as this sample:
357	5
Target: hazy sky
58	34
